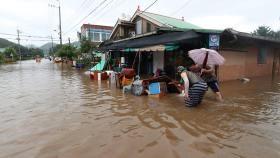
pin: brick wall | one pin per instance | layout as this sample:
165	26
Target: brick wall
244	64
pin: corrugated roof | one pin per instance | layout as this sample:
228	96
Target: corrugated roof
196	30
171	22
248	35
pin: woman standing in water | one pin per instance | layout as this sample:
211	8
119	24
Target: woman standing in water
194	85
208	75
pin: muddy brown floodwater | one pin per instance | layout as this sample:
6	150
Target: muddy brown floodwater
54	111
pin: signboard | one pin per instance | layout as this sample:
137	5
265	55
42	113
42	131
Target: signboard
214	40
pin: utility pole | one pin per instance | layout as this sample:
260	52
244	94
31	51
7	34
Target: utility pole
60	32
69	41
52	44
18	39
59	19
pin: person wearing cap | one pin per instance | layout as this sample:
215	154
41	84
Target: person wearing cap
194	86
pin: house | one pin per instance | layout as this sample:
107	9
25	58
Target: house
248	55
150	41
122	29
96	33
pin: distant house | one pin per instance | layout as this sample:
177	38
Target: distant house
96	33
162	42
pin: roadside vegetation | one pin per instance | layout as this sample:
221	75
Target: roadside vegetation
84	55
1	58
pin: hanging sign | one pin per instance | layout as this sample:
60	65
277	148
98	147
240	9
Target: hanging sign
214	40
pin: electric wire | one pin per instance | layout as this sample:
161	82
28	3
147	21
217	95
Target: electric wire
182	7
30	36
100	4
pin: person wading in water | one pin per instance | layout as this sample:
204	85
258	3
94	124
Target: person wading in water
208	75
194	86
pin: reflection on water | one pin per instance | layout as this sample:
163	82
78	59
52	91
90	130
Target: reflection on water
49	110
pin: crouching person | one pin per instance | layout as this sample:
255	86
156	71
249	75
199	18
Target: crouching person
195	87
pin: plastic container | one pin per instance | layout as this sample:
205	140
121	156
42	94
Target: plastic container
154	88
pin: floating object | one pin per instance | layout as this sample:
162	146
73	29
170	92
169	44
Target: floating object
157	89
245	80
127	89
57	59
137	87
80	65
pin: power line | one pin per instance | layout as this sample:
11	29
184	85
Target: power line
84	11
111	8
74	15
100	4
25	39
182	7
30	36
150	5
99	13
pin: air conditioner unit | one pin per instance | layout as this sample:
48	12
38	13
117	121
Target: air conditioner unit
132	34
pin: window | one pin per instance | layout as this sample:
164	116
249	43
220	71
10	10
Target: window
262	55
149	27
103	37
90	36
96	36
107	35
139	27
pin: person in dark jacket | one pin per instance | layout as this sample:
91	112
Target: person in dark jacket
194	86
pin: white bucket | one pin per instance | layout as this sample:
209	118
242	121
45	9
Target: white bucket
113	77
99	76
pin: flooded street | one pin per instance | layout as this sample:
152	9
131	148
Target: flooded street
53	111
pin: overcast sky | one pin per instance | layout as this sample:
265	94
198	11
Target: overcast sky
36	18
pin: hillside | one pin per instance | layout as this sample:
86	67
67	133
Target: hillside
47	46
5	43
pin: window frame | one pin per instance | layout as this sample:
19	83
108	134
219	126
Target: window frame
262	56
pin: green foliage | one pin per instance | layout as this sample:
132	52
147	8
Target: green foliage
11	53
87	46
67	51
266	31
1	58
36	51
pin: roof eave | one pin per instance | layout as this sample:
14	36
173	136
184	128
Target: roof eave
248	35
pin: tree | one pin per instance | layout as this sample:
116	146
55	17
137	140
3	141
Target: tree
276	35
36	51
11	53
67	51
1	58
87	46
263	30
